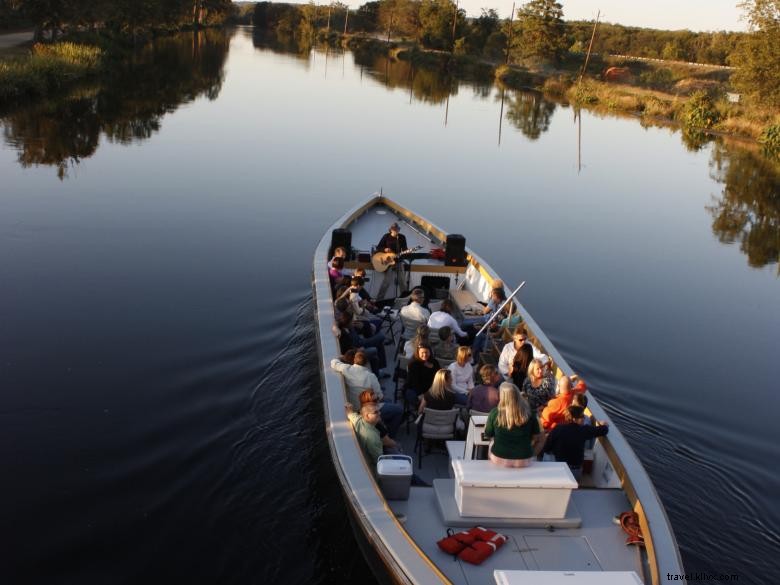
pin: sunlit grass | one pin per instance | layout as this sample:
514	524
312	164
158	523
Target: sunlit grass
46	69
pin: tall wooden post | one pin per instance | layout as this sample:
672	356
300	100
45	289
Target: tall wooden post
454	24
590	46
327	28
511	28
346	20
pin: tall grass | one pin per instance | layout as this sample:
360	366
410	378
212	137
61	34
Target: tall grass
47	69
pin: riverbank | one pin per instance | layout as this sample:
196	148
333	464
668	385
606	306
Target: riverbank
47	68
699	103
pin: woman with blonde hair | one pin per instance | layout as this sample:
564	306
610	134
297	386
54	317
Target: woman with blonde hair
515	429
462	374
538	387
440	396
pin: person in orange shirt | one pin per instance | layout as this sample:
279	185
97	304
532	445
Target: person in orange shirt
555	411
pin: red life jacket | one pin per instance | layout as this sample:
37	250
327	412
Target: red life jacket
472	546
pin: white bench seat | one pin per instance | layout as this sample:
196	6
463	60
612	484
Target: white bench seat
541	490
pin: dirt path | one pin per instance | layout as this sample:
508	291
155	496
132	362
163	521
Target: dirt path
9	40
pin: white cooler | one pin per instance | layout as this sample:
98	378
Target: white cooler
485	490
395	476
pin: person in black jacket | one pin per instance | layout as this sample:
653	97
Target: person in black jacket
421	372
567	441
395	242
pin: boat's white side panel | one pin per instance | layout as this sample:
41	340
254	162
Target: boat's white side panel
376	518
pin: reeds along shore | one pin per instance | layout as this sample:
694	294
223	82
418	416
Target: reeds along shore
48	69
664	93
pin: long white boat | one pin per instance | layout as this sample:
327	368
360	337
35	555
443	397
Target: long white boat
583	545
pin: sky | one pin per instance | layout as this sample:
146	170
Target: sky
696	15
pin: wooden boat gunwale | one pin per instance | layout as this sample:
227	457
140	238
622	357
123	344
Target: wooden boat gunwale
378	523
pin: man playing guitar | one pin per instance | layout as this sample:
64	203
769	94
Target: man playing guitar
394	242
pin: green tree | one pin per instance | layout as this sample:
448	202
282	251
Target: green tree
758	56
480	30
436	22
542	30
399	17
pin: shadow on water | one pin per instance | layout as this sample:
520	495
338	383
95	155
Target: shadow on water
125	107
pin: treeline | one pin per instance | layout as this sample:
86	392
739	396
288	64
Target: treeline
714	48
430	22
51	18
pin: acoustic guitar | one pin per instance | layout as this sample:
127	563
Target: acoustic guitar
384	260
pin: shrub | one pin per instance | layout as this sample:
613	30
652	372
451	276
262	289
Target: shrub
699	111
655	107
770	139
657	78
584	94
556	86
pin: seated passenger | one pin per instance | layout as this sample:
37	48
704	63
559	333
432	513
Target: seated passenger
338	252
462	375
518	371
420	338
514	428
360	295
484	398
414	310
495	299
539	387
557	409
336	269
567	440
446	347
358	377
421	372
372	345
519	337
366	431
443	318
389	446
440	396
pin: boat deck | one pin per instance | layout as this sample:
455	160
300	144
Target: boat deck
597	545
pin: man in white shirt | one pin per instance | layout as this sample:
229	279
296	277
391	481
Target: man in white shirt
443	318
414	310
358	377
510	349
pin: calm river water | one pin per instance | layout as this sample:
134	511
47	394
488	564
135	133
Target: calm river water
160	417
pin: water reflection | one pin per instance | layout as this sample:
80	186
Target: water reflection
126	107
530	113
425	85
288	44
748	210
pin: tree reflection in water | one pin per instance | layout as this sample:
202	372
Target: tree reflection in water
126	106
748	210
530	113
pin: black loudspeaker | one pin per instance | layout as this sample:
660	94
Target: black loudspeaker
455	253
343	238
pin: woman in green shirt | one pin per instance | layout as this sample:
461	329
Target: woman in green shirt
516	433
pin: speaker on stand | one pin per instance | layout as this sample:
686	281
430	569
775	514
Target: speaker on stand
455	252
343	238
